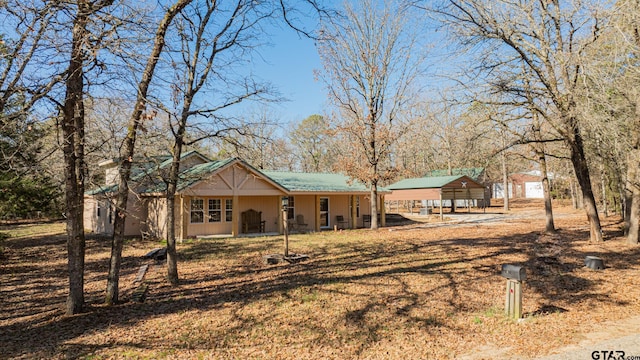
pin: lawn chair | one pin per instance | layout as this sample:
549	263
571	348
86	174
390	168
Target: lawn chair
366	219
341	222
300	225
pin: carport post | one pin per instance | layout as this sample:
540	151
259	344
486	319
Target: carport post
441	214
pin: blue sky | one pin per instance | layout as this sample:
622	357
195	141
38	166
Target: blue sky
290	65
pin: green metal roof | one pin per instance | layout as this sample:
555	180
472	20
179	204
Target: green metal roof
102	190
316	182
146	175
151	181
196	173
424	182
473	173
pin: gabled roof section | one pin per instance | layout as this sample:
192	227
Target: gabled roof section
193	153
147	172
196	173
316	182
424	182
473	173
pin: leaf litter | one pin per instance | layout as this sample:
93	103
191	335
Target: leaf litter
415	292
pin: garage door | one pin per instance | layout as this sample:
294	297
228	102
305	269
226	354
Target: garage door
533	190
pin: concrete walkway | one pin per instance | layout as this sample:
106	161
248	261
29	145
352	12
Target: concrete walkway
616	337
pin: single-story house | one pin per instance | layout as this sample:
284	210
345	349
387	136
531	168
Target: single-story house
438	188
229	198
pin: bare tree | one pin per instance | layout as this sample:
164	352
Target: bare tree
369	68
542	39
138	115
312	143
258	140
611	103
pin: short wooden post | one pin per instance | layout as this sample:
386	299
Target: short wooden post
286	232
513	299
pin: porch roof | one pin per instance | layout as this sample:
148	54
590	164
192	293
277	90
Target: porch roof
473	173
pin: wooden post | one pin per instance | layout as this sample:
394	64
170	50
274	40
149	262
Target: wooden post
383	212
286	232
513	299
354	212
181	233
282	217
441	214
235	218
317	214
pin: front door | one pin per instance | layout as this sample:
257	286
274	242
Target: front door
324	213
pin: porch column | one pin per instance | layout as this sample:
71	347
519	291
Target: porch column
317	214
184	221
383	211
235	218
354	212
181	218
280	216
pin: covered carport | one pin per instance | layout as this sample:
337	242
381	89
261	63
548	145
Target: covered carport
456	187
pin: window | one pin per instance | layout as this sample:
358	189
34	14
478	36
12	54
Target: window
291	208
228	208
215	210
197	211
98	209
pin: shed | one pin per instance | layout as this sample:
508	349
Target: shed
455	187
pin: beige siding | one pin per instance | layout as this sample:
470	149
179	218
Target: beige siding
156	224
305	205
206	227
136	216
268	205
97	215
338	205
234	180
414	194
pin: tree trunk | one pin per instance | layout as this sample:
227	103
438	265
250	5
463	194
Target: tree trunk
505	182
172	253
374	205
634	224
632	218
548	208
73	149
127	152
574	196
603	177
546	188
581	168
633	179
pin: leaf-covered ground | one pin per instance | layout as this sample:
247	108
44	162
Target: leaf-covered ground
412	291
